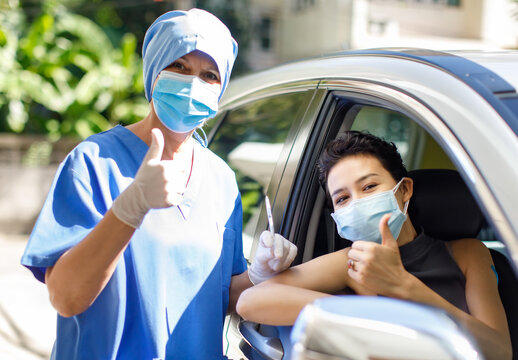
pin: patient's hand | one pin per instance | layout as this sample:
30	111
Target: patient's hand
354	287
378	268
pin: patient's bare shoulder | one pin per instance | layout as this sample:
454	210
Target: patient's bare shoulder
469	252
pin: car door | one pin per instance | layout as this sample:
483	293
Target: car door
420	136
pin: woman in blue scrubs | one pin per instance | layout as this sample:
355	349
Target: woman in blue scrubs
139	240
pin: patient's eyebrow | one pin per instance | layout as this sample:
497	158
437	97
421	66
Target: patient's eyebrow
356	182
365	177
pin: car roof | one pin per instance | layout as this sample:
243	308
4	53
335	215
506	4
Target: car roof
503	63
493	75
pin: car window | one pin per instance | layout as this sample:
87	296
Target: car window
387	124
250	140
417	148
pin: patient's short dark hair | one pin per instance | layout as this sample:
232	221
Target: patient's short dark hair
360	143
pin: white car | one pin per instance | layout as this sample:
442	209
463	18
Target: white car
448	113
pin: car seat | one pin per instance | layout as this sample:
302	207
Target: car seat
444	207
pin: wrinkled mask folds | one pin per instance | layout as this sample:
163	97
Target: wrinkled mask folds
184	102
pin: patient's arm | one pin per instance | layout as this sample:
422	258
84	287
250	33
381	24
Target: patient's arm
278	301
379	268
275	303
488	322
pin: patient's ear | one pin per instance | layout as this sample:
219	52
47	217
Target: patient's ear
407	188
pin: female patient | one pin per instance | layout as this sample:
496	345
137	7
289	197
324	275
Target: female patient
367	183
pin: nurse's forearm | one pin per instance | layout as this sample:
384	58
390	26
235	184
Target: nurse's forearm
81	273
238	284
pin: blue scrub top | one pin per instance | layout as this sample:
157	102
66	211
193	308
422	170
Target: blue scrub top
169	294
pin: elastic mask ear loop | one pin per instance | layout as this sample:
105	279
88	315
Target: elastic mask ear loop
397	186
202	140
405	207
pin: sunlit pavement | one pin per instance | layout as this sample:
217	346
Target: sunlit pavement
27	320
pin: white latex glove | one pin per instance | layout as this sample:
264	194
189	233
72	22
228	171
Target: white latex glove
157	184
273	255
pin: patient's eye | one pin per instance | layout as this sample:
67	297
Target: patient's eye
341	200
369	187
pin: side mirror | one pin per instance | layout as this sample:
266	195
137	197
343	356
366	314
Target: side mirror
367	327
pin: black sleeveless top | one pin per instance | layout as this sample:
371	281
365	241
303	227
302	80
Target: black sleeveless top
430	261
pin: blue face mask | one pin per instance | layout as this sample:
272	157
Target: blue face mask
184	102
360	219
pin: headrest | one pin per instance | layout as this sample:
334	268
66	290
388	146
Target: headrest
443	205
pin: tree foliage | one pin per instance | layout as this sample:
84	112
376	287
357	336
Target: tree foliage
73	67
62	75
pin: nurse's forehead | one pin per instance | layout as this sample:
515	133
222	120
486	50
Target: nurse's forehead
198	55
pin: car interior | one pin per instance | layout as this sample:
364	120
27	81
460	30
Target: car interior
442	203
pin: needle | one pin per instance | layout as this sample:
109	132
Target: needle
269	214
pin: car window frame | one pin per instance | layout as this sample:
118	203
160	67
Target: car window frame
391	98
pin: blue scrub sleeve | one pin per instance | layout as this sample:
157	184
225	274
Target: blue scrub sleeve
240	264
72	209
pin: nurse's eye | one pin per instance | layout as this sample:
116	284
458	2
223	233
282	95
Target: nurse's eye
211	77
178	66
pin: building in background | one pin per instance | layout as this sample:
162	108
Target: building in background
292	29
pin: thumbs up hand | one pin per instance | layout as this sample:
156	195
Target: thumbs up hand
156	177
378	266
387	239
156	185
273	255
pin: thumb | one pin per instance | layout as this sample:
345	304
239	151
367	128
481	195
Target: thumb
157	145
387	239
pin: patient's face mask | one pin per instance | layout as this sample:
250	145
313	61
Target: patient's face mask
184	102
359	220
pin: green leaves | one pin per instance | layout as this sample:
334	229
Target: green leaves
61	75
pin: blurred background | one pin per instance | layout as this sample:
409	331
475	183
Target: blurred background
72	68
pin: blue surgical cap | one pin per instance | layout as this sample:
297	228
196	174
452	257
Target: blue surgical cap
177	33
